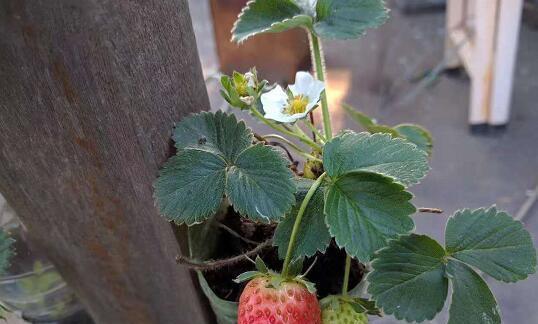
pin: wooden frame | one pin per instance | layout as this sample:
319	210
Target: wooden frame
482	36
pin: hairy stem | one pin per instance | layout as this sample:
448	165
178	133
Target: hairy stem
315	131
296	225
306	140
217	264
234	233
345	285
293	146
319	67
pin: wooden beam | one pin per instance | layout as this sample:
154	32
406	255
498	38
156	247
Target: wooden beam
508	24
462	50
89	93
454	19
482	60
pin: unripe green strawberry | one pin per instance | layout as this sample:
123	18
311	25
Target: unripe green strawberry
287	303
342	313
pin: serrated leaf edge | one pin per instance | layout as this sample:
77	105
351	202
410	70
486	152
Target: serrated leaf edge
471	268
193	115
460	212
348	132
383	20
204	217
374	259
242	212
373	256
245	9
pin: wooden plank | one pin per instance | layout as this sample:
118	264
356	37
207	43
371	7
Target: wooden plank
508	23
462	49
454	20
483	59
89	92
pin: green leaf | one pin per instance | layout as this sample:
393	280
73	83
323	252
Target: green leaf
378	153
359	117
229	93
493	242
219	133
260	184
417	135
363	305
346	19
268	16
363	210
310	286
247	276
472	301
203	238
6	251
369	123
225	311
383	129
296	267
190	186
260	265
216	158
408	278
313	235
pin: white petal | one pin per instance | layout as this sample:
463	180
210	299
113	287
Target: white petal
310	107
300	116
281	117
315	91
274	100
303	83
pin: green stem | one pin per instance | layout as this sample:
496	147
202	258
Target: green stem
293	146
319	66
314	130
299	130
347	270
296	225
283	130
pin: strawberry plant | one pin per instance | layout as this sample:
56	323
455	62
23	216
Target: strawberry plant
351	194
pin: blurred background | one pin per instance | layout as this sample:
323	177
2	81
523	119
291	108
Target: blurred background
398	73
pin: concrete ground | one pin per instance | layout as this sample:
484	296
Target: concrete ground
376	74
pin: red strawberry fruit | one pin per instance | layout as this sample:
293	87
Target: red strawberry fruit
268	301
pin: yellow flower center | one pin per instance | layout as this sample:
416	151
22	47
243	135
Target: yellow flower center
297	105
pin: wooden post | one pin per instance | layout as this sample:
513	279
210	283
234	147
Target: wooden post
484	35
482	60
89	93
509	22
454	20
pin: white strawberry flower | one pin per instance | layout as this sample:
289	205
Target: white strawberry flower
303	97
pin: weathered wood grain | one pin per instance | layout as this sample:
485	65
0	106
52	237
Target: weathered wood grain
89	92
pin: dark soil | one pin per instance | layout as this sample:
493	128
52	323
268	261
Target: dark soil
327	272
